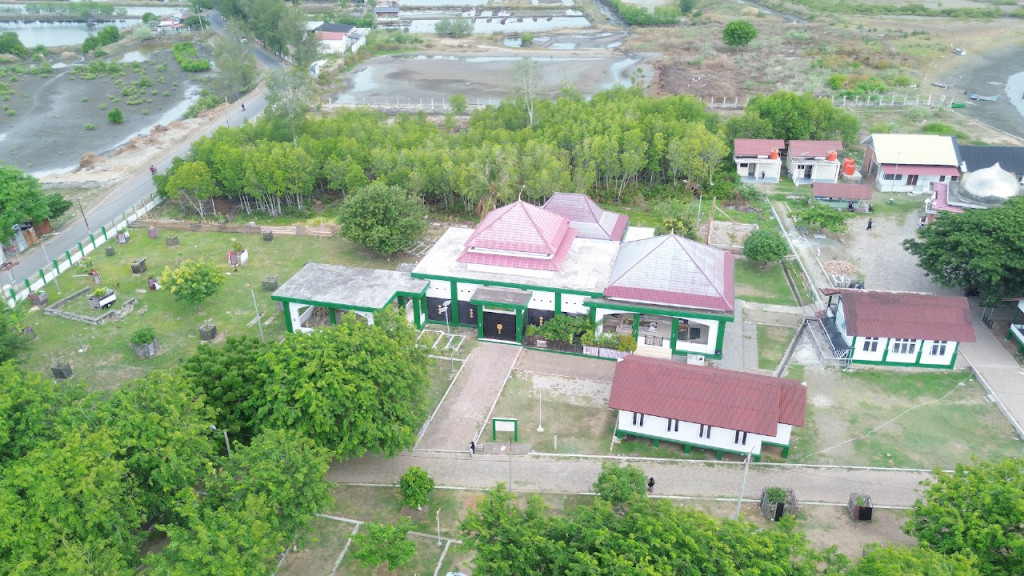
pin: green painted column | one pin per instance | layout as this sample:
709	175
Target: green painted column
519	325
103	230
288	317
332	317
80	250
453	308
558	303
416	313
479	322
785	452
920	352
636	328
721	337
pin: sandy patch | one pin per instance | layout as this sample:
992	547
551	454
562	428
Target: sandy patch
575	391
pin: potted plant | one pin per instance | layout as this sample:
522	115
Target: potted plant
860	507
144	342
102	298
238	255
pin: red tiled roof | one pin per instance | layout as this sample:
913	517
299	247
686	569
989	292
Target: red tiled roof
920	170
675	271
722	398
812	148
586	216
526	236
842	191
748	147
875	314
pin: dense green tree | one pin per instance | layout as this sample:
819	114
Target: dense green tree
676	216
458	103
765	245
232	381
160	425
11	340
90	43
895	560
108	35
697	155
68	505
415	487
31	409
377	543
974	511
385	219
351	387
458	27
529	84
236	67
290	96
11	44
822	216
738	33
192	186
978	250
793	116
21	200
619	484
192	281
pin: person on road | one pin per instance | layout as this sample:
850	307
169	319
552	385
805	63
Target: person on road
869	223
650	485
472	448
152	168
243	107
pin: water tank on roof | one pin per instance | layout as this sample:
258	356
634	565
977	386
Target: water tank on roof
773	155
831	156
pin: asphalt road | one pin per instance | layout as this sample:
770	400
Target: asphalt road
137	187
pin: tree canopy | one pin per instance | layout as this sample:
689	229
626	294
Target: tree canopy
981	251
350	387
790	116
383	218
192	281
974	512
21	201
765	245
822	216
738	33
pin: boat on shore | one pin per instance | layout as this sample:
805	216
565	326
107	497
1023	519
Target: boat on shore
976	96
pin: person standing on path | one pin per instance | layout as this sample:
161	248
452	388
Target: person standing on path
869	223
472	448
650	485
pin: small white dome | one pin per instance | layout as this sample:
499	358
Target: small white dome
991	185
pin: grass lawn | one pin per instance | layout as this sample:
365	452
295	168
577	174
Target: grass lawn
767	286
102	356
919	419
772	343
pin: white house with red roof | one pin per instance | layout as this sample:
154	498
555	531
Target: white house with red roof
911	162
811	161
704	407
758	160
589	219
896	328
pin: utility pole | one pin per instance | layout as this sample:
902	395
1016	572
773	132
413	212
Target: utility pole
84	219
743	486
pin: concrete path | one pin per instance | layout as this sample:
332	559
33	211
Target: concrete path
998	371
673	478
464	410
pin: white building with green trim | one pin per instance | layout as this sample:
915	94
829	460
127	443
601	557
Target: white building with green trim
524	264
896	328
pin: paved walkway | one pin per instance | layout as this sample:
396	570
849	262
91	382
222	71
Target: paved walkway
674	478
463	411
998	371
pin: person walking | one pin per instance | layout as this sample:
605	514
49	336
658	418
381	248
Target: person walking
472	448
869	223
650	485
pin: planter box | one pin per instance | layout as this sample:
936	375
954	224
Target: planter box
153	233
172	241
238	258
860	507
146	350
270	283
109	250
104	301
774	511
207	332
39	298
139	266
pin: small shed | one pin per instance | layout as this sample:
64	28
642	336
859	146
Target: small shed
758	160
843	196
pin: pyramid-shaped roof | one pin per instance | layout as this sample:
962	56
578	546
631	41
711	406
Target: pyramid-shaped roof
673	270
587	217
520	235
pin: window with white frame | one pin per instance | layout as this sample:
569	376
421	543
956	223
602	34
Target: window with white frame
939	348
638	420
903	346
705	431
870	345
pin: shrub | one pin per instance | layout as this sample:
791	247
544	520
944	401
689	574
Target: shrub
145	335
90	126
115	116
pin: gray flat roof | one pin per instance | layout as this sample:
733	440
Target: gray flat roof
511	296
363	288
586	268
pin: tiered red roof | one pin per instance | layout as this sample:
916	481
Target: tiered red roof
587	217
520	235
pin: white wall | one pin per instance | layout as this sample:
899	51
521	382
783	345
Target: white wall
721	438
713	327
542	300
858	352
573	304
939	359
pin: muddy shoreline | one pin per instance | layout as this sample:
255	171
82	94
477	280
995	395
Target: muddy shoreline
990	74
